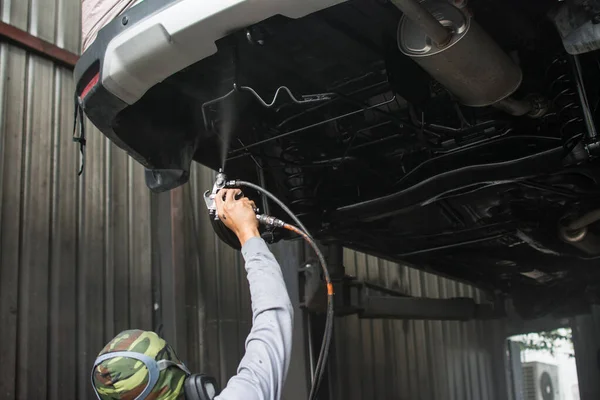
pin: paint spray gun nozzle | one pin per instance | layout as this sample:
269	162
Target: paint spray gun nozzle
210	195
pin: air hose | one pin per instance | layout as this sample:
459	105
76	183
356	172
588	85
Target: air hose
301	230
238	183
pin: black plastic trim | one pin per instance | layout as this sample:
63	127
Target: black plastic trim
102	107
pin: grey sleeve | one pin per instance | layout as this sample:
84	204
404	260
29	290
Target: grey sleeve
262	372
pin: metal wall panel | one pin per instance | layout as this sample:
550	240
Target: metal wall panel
586	341
401	359
75	252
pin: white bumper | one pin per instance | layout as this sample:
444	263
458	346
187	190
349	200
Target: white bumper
183	34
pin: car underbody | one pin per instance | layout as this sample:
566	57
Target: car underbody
373	153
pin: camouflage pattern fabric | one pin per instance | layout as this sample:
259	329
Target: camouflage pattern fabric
123	378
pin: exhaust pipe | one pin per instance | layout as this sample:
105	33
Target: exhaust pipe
448	44
427	22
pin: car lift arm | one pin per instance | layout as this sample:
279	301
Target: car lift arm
370	301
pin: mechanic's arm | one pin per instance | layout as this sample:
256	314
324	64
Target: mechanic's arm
262	372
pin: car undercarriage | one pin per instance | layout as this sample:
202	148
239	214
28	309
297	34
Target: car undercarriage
487	173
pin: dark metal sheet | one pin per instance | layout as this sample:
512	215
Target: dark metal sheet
75	253
62	341
35	233
407	359
13	63
586	342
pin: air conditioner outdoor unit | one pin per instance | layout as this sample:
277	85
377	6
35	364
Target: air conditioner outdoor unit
540	381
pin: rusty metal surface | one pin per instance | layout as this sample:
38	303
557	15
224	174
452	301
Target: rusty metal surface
31	43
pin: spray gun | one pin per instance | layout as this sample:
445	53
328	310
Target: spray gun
210	196
221	182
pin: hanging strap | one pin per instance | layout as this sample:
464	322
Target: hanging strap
78	119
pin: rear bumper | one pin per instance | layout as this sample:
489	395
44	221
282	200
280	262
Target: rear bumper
154	40
182	34
150	42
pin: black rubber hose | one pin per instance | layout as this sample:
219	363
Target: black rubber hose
275	200
323	354
303	232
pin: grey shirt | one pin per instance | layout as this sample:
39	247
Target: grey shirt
262	372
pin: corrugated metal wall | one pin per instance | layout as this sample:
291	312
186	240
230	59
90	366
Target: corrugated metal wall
410	360
586	341
74	252
372	359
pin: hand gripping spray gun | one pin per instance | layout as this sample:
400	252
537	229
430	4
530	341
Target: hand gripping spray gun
221	182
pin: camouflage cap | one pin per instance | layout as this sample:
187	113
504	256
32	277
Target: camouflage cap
125	378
